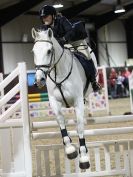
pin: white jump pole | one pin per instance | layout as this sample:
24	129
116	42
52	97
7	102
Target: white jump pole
2	92
105	131
95	120
11	123
9	78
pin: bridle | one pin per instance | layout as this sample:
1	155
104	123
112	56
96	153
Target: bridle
52	59
50	68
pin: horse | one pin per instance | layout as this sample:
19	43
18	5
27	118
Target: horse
65	81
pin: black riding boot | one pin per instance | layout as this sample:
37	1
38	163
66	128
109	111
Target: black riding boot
92	76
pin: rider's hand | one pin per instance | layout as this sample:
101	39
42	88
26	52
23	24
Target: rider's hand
61	41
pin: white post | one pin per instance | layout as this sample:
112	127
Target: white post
131	90
2	92
106	89
25	117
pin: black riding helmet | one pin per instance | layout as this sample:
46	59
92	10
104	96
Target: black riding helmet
47	10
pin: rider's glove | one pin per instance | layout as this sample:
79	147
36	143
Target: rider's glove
62	41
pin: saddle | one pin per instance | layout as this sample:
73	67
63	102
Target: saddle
86	65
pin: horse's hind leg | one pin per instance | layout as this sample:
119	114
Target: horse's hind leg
84	159
70	150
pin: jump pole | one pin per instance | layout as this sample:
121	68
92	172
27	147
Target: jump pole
95	132
95	120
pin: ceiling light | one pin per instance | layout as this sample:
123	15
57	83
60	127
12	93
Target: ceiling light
58	4
119	8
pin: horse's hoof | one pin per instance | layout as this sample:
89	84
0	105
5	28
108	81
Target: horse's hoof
84	165
71	152
73	155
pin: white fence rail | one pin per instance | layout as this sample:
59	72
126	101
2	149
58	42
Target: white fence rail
107	158
15	150
94	132
89	121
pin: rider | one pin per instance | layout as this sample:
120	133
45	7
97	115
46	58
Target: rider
64	33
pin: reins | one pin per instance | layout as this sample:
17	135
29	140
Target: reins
50	67
47	73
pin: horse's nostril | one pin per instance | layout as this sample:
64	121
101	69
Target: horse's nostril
43	81
39	83
35	84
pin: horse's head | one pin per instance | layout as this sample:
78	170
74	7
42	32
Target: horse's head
43	53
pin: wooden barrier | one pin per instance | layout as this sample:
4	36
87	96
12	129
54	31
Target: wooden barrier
94	132
15	148
36	97
90	121
100	155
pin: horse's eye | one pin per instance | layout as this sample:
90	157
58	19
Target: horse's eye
49	52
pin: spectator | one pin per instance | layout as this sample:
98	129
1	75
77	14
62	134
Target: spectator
112	82
126	74
119	85
100	78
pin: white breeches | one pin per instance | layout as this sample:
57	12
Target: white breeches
84	49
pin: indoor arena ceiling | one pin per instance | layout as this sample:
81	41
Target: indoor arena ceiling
99	12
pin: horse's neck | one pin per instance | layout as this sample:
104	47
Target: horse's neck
64	64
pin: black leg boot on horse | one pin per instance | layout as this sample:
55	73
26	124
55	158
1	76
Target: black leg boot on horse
70	150
91	75
84	160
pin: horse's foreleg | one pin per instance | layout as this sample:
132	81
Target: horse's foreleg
84	160
70	150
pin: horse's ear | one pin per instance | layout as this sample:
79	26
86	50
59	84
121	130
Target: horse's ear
34	33
50	33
